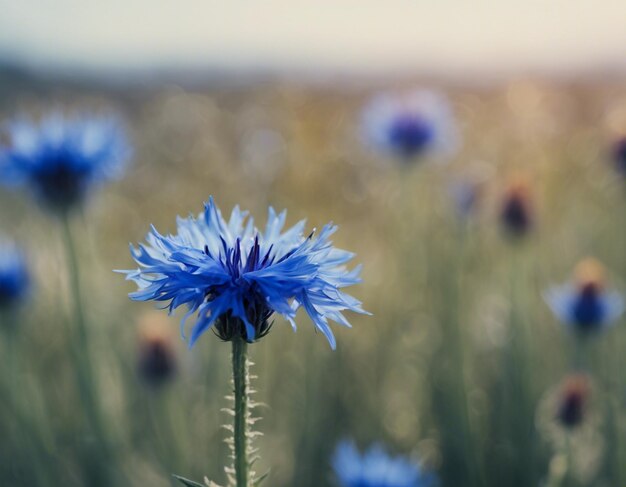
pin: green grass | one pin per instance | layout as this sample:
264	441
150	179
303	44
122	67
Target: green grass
456	365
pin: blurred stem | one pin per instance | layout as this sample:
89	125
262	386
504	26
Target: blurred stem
240	431
560	466
611	364
83	368
579	361
611	391
306	448
28	434
567	476
161	416
460	447
11	328
520	349
458	358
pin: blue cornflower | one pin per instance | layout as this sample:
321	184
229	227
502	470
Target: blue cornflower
586	305
376	468
61	159
234	276
410	125
14	280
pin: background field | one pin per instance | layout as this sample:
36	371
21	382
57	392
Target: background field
446	293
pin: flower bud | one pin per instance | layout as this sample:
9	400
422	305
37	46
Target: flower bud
516	214
573	399
157	361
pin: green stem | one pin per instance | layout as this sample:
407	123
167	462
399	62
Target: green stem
520	362
83	367
612	420
74	277
241	383
579	358
28	429
11	329
13	390
568	477
455	341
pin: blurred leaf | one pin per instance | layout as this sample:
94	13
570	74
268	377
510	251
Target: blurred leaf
187	482
260	480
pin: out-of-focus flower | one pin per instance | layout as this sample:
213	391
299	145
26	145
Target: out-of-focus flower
376	468
566	421
585	304
619	155
157	361
234	276
466	189
465	195
516	213
14	280
61	159
410	125
573	399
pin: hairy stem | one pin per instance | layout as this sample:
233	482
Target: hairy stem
240	381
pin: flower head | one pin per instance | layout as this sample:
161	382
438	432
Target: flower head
234	277
376	468
516	213
585	304
157	354
573	399
61	159
410	125
14	280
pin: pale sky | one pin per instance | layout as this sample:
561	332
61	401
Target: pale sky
434	35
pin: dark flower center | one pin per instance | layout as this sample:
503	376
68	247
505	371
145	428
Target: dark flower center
516	216
258	313
410	134
588	309
156	363
571	410
60	183
11	289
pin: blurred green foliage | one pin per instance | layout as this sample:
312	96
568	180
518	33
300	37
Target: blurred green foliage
457	367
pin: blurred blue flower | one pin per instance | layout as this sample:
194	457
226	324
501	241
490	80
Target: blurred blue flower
411	125
586	305
14	280
376	468
61	159
234	277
